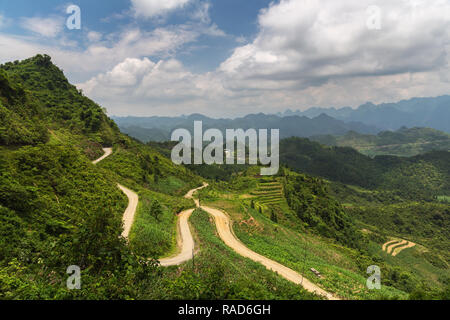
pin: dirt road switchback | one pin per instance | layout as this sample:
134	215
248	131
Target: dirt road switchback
224	229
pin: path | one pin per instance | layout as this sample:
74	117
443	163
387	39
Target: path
108	152
130	212
224	229
133	199
185	240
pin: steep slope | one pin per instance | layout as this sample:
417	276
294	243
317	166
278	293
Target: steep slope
292	239
57	209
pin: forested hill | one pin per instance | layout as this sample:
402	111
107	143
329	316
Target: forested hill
56	208
420	177
403	142
36	98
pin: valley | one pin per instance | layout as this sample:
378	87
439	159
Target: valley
309	232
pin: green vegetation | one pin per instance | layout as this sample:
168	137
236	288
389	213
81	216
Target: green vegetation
153	233
290	243
217	272
418	178
404	142
57	209
309	199
315	228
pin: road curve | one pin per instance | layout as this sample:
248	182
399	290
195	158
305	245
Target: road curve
224	229
185	240
133	199
108	152
128	216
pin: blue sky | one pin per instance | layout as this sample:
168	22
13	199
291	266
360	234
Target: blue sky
233	57
236	18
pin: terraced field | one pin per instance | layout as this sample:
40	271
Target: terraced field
269	193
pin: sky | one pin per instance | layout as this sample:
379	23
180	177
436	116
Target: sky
228	58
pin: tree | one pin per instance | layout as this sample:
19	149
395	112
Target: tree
156	209
273	216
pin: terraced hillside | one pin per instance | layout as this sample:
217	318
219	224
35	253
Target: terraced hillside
269	192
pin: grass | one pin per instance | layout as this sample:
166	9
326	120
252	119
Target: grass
341	272
155	237
413	259
268	193
217	272
444	199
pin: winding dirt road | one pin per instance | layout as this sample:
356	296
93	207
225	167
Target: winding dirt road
185	240
133	199
128	216
224	229
108	152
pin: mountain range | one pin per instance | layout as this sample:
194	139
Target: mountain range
367	119
160	128
432	112
329	209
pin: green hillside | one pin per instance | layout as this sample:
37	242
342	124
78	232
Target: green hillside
329	208
403	142
57	209
311	226
421	177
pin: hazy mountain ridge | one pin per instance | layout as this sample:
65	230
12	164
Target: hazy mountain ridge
432	112
160	128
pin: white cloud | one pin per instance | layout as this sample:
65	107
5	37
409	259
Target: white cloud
306	53
47	27
165	87
306	43
154	8
94	36
241	39
202	13
99	56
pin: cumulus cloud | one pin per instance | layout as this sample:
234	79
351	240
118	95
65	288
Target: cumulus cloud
47	27
100	56
94	36
154	8
306	53
166	86
304	43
